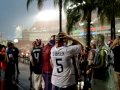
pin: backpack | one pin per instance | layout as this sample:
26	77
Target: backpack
101	63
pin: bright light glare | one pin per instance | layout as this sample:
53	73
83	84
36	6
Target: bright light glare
49	15
15	40
26	54
118	30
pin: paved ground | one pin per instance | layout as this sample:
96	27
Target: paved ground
23	81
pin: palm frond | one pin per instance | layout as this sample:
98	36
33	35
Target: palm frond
73	16
85	13
28	3
40	3
56	2
117	8
105	10
102	18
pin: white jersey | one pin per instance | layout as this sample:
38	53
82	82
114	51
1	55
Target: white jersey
63	74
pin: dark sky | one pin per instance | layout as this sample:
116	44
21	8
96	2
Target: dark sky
14	13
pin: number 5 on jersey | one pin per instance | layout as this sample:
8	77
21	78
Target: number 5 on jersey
60	66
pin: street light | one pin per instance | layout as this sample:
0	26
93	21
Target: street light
15	41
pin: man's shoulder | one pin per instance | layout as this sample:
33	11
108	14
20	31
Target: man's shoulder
16	49
74	46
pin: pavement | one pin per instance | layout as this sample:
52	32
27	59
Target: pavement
22	80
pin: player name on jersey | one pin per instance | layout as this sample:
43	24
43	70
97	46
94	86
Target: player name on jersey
58	53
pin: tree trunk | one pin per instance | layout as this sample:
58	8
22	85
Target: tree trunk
88	38
60	15
113	33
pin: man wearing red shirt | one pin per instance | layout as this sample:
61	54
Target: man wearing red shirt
47	68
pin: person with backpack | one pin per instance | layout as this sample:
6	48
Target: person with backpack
99	67
36	62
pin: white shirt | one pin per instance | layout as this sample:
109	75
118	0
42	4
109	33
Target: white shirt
63	74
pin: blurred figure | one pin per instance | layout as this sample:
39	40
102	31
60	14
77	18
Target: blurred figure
31	66
83	67
3	66
36	62
90	59
100	73
110	42
63	75
115	46
93	44
10	66
15	52
92	51
31	71
47	68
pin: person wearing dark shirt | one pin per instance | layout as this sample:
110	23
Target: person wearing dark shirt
10	72
116	50
15	52
36	62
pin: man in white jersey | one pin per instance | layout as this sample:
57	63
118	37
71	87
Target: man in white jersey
63	75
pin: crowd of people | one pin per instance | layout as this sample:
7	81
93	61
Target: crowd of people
64	61
8	66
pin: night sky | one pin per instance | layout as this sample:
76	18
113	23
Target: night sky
14	13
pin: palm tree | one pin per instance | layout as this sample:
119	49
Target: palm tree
84	6
73	16
109	9
87	8
39	3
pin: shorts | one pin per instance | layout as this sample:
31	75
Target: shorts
38	82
